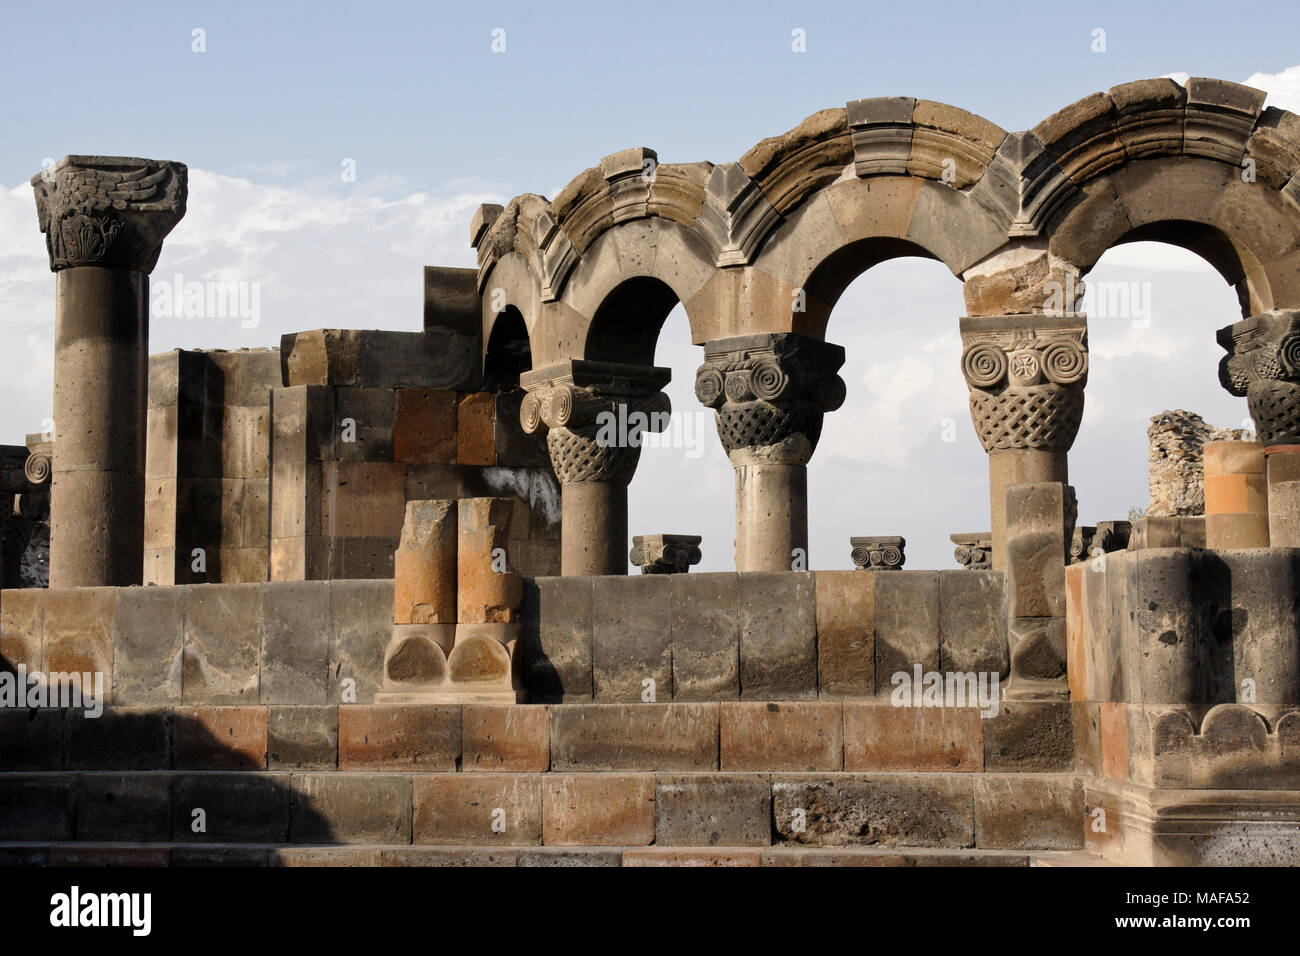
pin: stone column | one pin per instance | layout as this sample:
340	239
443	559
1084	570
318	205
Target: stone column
1026	375
104	220
770	393
1263	364
594	414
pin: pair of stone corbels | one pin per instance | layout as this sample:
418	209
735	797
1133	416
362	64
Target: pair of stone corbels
878	553
974	551
104	220
1101	538
455	605
665	553
1263	364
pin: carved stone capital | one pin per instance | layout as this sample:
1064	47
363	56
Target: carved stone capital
878	553
1104	537
110	211
594	414
770	393
1263	364
1026	376
40	458
665	553
974	552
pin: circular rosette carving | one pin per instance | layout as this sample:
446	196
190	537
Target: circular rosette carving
891	557
769	381
709	386
984	365
562	405
530	413
737	387
37	469
861	556
1065	362
1288	354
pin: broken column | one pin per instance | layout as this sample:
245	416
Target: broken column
770	393
104	220
1236	496
1263	364
1026	375
594	414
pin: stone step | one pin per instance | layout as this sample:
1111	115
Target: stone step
790	736
258	855
951	811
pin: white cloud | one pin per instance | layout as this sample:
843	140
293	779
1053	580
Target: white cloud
1283	88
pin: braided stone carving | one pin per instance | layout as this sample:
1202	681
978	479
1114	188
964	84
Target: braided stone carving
109	211
770	393
1263	364
1026	376
594	414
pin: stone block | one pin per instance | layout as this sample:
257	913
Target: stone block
31	738
599	809
488	589
1231	532
427	482
846	634
22	617
848	810
452	300
1113	735
971	624
559	857
794	736
298	489
1029	813
505	737
321	856
881	737
350	808
122	738
557	639
425	564
1235	494
631	638
399	737
123	807
478	809
295	642
1037	549
363	499
1283	515
1030	736
148	641
778	636
1087	737
115	857
635	737
476	429
1263	627
237	808
361	613
426	427
513	445
222	856
77	634
36	807
219	738
668	856
705	636
223	644
302	424
365	420
1221	458
700	810
907	624
302	738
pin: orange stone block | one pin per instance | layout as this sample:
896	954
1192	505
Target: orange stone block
598	809
506	737
424	565
1114	741
782	736
425	431
881	737
1236	494
220	738
1076	632
1233	458
488	589
477	442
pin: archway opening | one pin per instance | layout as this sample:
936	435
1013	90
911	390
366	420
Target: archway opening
509	352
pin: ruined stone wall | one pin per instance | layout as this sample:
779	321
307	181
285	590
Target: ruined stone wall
207	475
1177	472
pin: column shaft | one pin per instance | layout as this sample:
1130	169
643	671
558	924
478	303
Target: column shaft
771	516
1018	466
593	536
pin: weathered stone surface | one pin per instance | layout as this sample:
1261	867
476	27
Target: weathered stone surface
552	856
22	615
598	809
668	856
326	856
1229	532
478	809
878	737
425	430
846	634
781	736
223	644
488	589
705	632
236	808
41	807
1040	519
399	737
350	808
219	738
1028	813
295	642
124	807
778	636
365	422
224	856
476	429
1029	736
557	641
713	810
447	856
302	738
1178	441
632	638
848	810
425	564
635	737
907	624
361	613
77	635
31	739
147	646
505	737
971	625
122	738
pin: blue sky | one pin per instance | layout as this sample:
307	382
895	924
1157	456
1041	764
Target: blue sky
438	123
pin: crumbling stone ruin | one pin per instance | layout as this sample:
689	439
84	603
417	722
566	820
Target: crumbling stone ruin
364	596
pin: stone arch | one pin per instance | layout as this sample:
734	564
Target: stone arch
507	351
